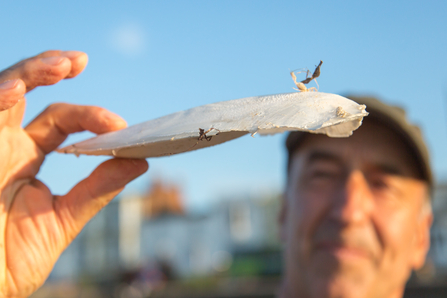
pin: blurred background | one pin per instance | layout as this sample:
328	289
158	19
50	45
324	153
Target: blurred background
203	224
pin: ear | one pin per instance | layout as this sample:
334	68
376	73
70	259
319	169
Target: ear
282	218
422	239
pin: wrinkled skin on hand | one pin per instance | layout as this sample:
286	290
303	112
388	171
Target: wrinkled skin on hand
35	225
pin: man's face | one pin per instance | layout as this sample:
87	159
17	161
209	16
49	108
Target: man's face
354	220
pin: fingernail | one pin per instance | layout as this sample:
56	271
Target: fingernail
113	117
52	60
71	54
11	84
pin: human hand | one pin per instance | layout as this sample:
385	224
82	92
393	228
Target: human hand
35	225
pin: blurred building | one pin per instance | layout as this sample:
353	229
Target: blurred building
162	199
138	231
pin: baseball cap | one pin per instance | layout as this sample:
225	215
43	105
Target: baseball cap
395	119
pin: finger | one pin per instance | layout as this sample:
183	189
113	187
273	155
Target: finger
89	196
38	71
10	93
46	68
78	60
54	124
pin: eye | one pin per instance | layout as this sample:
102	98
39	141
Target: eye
378	183
323	174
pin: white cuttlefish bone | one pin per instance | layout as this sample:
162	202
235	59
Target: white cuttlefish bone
223	121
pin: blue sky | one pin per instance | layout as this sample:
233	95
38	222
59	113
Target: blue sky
152	58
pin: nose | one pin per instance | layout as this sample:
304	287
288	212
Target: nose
354	201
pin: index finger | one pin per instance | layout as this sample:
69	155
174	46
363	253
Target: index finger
46	68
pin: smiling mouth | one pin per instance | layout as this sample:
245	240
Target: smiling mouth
342	252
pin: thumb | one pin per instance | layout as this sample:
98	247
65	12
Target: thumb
90	195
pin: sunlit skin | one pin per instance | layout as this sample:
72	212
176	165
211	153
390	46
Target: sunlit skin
355	219
35	225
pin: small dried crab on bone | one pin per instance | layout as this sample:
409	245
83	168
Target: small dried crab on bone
301	85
